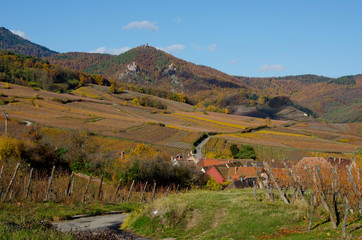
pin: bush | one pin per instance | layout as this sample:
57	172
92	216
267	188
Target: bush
11	149
112	89
246	152
144	164
213	185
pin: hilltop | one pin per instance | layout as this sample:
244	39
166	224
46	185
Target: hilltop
12	42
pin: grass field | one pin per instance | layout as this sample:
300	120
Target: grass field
230	215
28	220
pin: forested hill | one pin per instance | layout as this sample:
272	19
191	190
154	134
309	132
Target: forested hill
80	61
149	66
39	73
17	44
308	78
333	99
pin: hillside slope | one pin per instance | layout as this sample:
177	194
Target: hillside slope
117	122
332	99
149	66
79	60
38	73
17	44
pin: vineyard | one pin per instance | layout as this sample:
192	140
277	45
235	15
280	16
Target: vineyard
337	188
116	126
269	153
18	183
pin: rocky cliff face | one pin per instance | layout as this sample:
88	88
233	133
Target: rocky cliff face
130	74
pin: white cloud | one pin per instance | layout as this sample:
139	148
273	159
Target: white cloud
173	48
270	68
212	47
112	51
234	61
141	25
20	34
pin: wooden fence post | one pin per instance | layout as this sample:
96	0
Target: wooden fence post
47	198
254	185
143	192
353	183
153	192
335	174
168	189
130	191
295	183
311	212
11	182
331	211
262	182
29	182
177	188
276	184
86	189
67	191
345	218
117	190
100	189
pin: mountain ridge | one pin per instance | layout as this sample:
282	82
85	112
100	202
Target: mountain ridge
12	42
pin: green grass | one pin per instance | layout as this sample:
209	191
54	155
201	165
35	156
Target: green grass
229	215
32	220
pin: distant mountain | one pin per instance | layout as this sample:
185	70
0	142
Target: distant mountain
17	44
332	99
151	67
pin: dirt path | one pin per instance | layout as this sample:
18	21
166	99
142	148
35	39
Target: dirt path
97	224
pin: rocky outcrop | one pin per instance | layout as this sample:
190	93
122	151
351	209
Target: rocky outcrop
130	74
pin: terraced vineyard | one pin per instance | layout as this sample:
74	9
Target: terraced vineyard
116	124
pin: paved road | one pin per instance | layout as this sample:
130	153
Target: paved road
199	154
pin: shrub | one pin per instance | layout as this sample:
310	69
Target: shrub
213	185
246	152
112	89
11	149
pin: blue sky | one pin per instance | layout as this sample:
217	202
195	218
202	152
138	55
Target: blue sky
250	38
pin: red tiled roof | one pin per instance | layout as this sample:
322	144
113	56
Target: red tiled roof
210	162
216	174
245	172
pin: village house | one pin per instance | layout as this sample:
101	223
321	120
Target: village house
241	172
